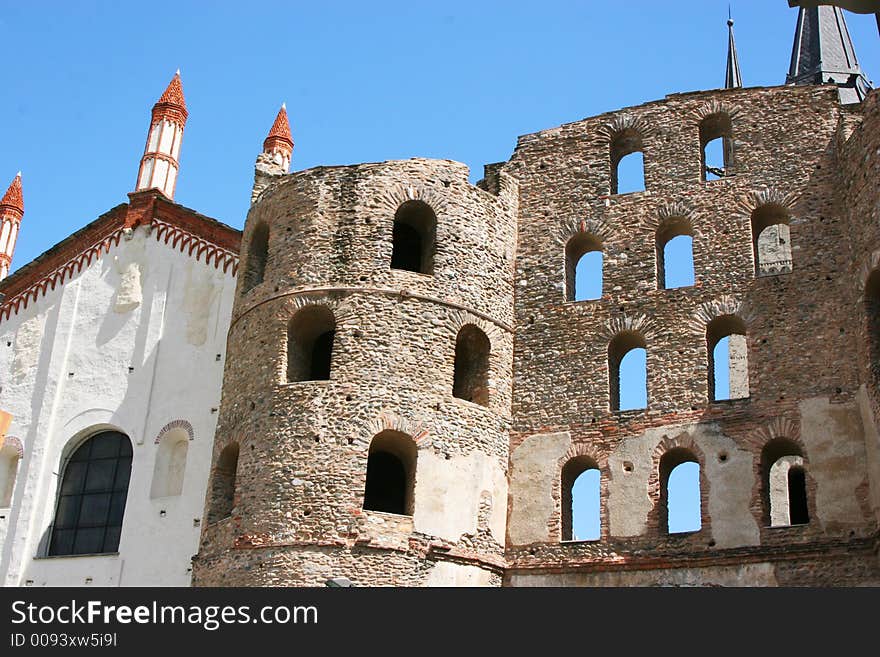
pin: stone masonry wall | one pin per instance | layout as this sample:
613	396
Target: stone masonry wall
804	351
298	513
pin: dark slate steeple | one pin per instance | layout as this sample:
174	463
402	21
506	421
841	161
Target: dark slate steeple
733	80
823	52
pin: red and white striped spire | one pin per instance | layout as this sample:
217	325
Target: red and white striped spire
11	212
160	163
279	142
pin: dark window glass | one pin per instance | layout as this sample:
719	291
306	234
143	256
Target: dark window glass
91	502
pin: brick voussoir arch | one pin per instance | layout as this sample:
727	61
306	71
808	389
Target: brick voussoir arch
719	307
389	421
598	228
397	194
175	424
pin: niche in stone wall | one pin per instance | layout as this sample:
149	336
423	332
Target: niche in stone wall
391	474
471	372
8	471
257	255
170	466
223	484
310	338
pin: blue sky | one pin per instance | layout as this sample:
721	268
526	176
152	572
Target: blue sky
362	82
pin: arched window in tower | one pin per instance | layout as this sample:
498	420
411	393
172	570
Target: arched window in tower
716	146
784	484
628	371
581	503
728	358
391	474
8	471
413	238
680	496
471	372
92	496
675	254
257	255
223	484
872	314
310	337
627	162
583	268
771	240
170	466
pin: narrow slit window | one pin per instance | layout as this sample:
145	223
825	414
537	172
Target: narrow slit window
675	254
581	503
627	162
680	491
583	268
628	372
728	358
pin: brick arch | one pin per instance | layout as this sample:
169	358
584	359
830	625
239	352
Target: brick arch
755	199
175	424
666	444
15	443
670	211
868	267
397	194
458	319
388	421
291	304
635	323
723	305
779	427
598	228
621	122
712	107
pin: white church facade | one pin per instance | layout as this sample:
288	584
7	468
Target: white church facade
111	361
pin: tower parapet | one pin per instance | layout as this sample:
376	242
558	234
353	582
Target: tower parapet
364	429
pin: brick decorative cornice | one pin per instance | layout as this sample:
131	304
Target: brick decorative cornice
174	225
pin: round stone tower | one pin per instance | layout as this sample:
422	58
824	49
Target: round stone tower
363	431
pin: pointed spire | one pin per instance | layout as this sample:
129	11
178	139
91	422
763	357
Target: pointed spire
11	213
280	132
173	94
733	79
823	53
13	197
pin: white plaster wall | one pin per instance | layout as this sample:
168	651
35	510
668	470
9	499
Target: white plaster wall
131	343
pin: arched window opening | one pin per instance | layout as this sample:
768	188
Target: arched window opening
716	146
168	472
728	358
391	474
872	312
771	240
628	372
581	502
675	256
583	268
223	484
92	496
8	471
257	255
471	375
310	337
627	162
784	484
680	502
413	238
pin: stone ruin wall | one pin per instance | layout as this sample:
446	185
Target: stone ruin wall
805	339
298	516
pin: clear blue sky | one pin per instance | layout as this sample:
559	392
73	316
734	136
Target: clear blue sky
362	81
